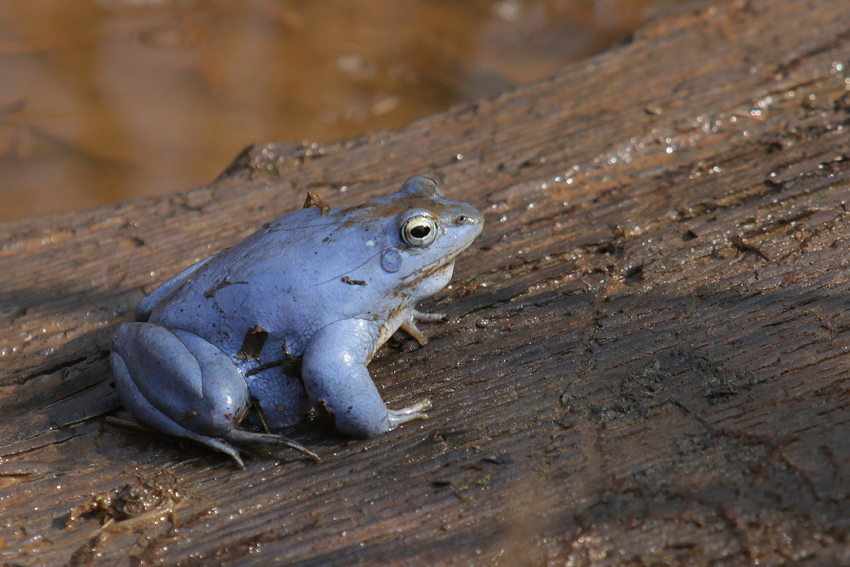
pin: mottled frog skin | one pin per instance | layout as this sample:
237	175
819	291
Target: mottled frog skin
288	319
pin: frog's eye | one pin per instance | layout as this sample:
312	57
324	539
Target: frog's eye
419	231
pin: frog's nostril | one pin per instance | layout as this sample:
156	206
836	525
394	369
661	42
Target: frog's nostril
466	219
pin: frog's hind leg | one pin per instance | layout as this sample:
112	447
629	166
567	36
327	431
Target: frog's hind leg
179	383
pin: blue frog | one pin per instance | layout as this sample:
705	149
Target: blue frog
287	320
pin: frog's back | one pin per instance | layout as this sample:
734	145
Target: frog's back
288	278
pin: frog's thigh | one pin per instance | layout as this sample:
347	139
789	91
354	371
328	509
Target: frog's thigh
176	381
335	377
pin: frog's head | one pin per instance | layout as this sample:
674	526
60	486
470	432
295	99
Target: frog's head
426	231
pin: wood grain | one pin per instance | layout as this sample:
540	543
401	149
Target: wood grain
646	362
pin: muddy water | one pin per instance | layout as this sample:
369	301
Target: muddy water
113	99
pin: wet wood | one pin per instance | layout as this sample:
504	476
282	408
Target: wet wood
646	362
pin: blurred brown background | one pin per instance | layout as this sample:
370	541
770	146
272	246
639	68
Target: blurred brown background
111	99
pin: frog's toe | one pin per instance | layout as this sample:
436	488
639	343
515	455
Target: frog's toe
429	317
409	325
247	439
410	413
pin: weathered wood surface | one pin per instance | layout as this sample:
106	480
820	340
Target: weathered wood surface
650	366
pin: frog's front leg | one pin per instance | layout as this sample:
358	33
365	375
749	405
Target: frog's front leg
335	376
181	384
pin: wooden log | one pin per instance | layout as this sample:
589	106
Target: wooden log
645	362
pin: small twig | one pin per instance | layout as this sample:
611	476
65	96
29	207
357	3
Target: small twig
739	243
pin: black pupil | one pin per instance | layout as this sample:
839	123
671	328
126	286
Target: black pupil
420	231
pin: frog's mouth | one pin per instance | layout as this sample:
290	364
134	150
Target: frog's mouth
433	267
